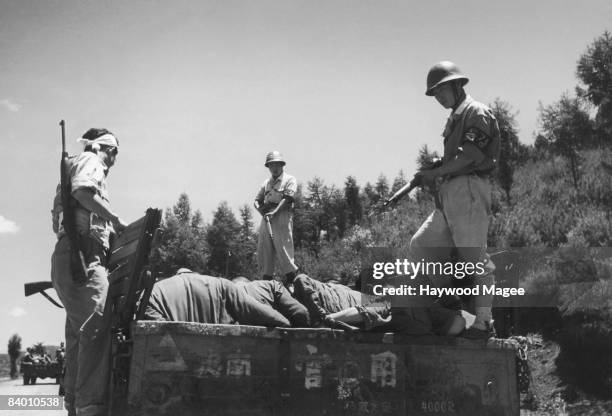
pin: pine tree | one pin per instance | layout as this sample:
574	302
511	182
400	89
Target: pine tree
182	241
222	237
381	188
353	201
398	182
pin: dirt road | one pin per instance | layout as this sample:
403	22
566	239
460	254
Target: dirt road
15	387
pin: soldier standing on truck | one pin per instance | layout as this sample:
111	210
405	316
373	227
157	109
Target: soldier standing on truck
87	362
274	202
471	152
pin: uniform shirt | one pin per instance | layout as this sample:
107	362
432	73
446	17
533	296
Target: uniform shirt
272	191
191	297
472	130
273	293
87	171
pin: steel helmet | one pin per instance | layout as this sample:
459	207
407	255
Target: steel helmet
443	72
274	156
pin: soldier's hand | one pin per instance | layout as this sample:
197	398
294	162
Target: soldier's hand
427	175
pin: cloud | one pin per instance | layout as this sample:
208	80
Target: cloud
17	312
7	226
10	105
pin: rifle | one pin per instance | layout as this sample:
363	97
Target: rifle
77	259
40	287
417	181
269	227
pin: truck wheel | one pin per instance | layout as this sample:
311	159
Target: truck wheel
57	380
33	380
26	380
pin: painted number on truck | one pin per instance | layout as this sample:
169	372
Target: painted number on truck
438	406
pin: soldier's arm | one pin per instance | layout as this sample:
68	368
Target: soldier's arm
288	193
259	199
94	203
481	139
278	208
154	312
258	207
481	133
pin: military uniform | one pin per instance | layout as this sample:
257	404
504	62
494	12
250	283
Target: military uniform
87	362
270	194
459	227
321	299
191	297
273	293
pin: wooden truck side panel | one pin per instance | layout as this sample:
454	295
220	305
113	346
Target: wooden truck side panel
192	369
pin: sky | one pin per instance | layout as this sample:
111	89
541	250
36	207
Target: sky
199	91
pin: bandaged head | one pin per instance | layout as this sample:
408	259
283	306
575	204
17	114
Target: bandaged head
95	138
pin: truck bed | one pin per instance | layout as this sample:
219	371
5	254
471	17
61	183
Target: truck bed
181	368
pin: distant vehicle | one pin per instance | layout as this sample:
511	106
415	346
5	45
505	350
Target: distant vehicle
41	369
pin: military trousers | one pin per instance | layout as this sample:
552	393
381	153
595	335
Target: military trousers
87	361
279	248
457	232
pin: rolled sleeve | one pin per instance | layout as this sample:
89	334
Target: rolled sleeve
290	188
482	119
480	132
261	193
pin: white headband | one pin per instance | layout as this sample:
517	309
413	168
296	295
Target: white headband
104	140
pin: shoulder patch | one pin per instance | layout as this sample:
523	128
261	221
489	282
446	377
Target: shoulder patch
477	137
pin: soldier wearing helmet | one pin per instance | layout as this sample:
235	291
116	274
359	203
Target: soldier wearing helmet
274	202
458	227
